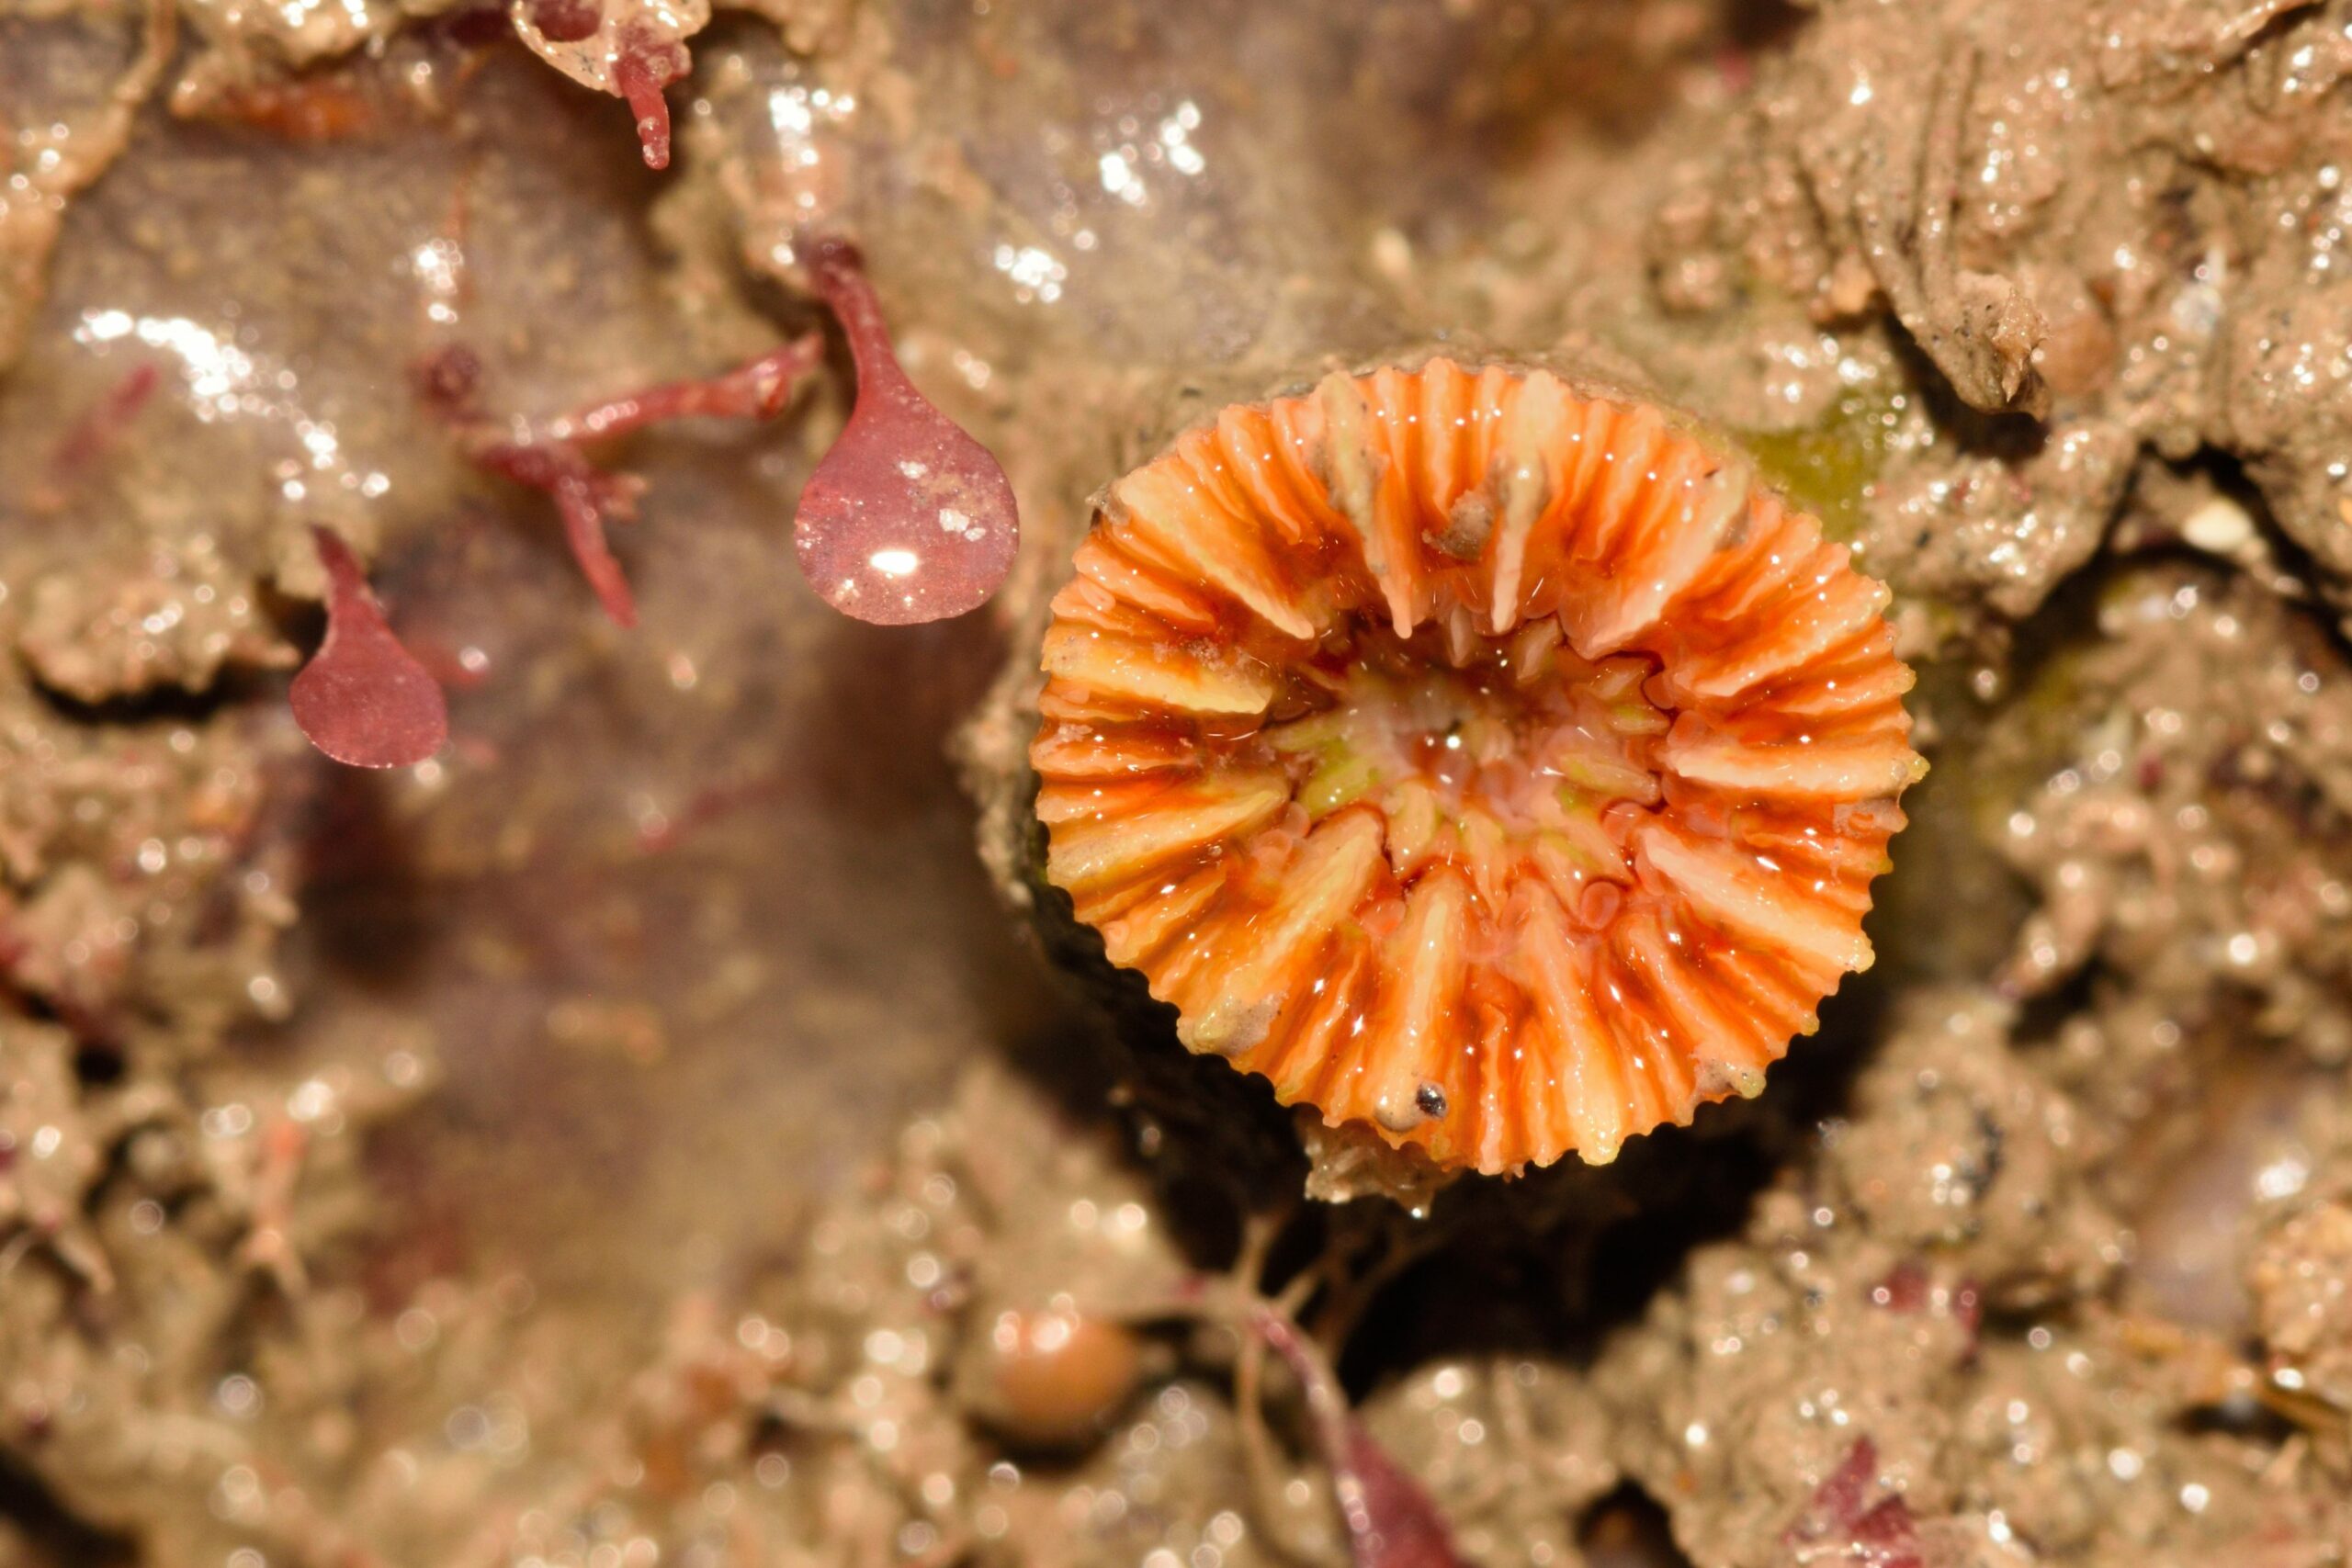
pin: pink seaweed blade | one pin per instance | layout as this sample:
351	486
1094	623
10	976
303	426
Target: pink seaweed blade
907	518
363	699
1391	1522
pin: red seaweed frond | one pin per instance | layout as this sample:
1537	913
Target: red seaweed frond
1836	1525
1391	1522
648	63
552	457
909	518
363	699
586	498
630	49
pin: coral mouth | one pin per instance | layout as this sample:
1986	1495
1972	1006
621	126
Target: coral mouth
1512	758
1495	767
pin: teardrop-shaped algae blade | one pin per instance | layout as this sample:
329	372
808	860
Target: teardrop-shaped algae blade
363	699
908	518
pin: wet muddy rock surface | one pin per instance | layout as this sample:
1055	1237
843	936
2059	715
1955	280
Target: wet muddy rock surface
677	1120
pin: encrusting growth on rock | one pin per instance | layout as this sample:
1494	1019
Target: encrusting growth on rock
1491	764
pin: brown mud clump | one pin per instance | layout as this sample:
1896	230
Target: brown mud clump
1492	765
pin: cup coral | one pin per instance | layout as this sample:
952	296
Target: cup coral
1492	765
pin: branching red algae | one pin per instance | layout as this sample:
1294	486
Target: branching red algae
1495	766
364	699
553	456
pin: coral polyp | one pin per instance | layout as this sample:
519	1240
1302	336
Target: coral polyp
1492	765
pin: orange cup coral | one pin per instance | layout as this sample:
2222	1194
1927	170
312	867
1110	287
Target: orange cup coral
1491	764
